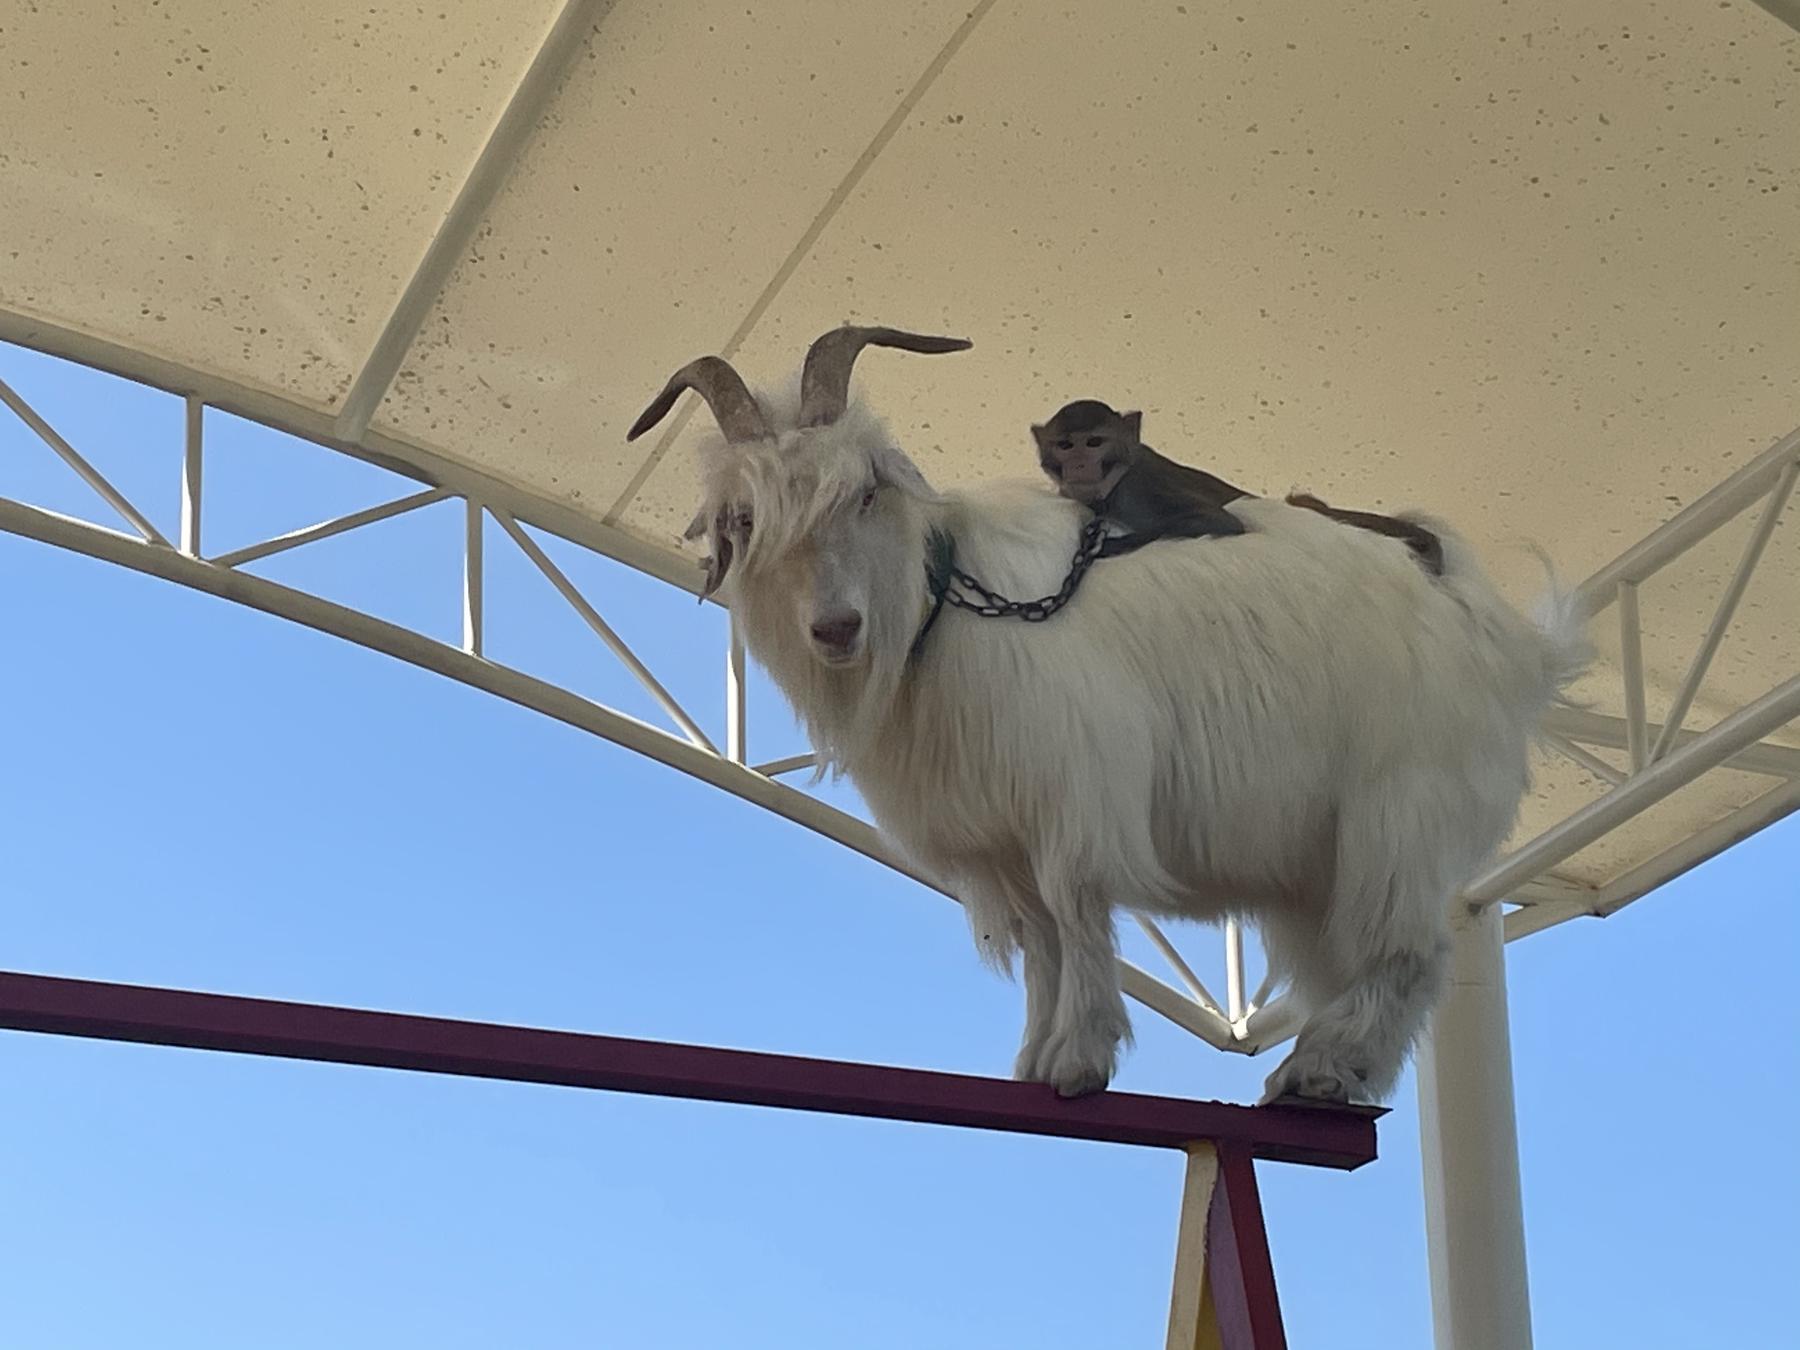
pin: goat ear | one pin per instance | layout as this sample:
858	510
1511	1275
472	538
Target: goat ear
1134	423
722	531
895	469
717	564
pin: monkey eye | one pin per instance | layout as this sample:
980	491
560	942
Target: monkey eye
1065	445
1095	442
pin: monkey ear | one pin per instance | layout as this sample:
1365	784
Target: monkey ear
1134	422
1038	434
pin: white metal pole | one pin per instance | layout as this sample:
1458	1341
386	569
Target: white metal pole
737	713
1474	1222
474	602
190	478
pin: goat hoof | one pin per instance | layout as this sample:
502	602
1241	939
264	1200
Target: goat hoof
1075	1070
1079	1084
1312	1075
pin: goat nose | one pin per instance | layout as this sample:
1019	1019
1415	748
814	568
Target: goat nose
839	631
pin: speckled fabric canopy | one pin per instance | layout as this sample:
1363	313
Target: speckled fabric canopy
1534	268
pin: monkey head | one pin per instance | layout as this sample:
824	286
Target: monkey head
1086	448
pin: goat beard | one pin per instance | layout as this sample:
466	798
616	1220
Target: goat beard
847	711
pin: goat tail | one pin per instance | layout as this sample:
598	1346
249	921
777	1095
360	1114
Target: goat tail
1560	617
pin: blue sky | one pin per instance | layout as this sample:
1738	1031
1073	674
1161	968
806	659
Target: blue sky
194	794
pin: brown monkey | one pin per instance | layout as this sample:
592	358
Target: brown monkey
1097	457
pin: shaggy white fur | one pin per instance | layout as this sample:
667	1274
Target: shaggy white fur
1296	726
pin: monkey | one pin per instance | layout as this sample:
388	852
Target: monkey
1097	457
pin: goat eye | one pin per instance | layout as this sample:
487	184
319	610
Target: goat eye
1095	442
868	500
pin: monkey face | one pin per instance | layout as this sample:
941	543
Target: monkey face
1087	463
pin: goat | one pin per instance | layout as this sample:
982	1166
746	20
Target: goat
1296	726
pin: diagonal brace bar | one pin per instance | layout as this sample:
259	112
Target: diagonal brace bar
72	457
1728	603
325	529
591	616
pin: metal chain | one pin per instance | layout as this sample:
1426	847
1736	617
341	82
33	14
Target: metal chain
992	605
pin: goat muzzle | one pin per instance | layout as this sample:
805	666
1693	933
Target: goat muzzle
837	636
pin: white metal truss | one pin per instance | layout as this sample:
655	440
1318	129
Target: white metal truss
1662	756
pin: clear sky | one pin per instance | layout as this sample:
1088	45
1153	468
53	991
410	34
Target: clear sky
195	794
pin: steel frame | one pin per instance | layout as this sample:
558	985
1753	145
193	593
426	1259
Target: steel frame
1223	1292
1661	761
1663	757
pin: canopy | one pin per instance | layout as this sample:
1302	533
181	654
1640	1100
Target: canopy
1531	269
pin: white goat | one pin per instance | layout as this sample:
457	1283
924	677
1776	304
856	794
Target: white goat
1296	726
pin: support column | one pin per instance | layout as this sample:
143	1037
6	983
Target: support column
1475	1225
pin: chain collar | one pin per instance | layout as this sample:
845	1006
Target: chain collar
947	583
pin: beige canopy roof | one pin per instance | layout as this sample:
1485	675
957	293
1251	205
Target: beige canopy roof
1532	267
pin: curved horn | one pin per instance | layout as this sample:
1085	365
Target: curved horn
723	388
825	379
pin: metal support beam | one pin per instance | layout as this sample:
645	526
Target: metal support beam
1774	805
1587	759
1631	663
1612	733
450	244
737	725
1193	1320
325	529
774	768
1689	526
87	472
474	619
1341	1137
1474	1219
190	477
1160	940
591	616
1728	603
1224	1296
1234	970
405	458
1706	751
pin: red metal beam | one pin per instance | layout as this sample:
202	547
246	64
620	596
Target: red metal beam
1342	1137
1237	1259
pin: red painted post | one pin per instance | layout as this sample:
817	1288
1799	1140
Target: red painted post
1238	1264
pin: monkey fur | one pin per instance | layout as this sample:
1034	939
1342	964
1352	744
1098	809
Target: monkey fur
1097	457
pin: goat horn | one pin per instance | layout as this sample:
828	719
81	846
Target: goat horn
723	388
825	379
